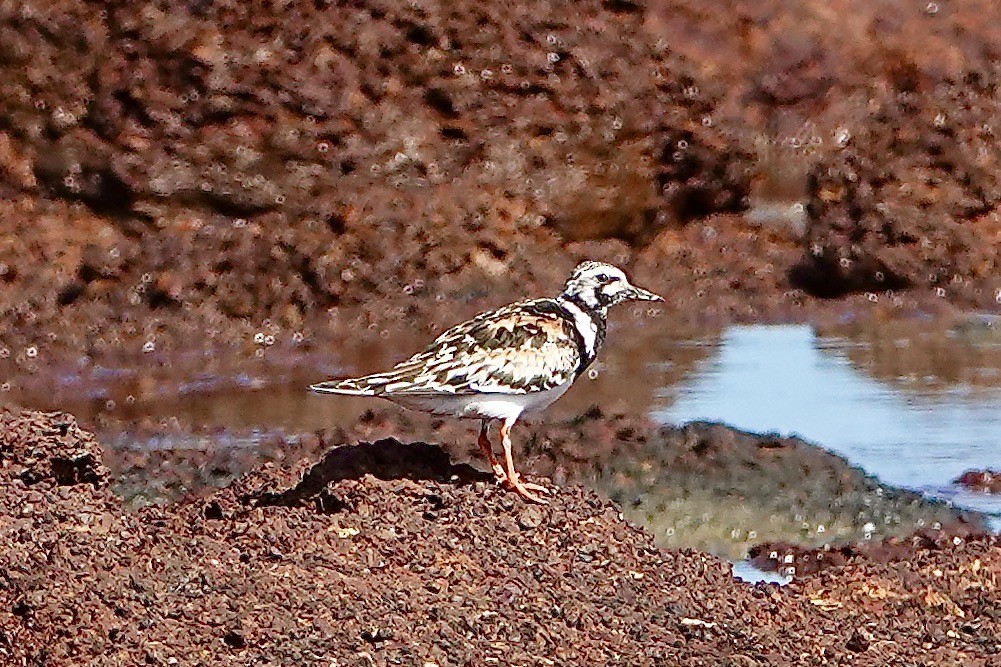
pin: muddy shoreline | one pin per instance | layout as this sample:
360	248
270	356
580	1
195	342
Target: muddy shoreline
423	559
700	485
201	196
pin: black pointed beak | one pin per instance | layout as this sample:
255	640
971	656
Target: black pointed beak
639	294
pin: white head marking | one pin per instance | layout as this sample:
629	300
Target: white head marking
596	286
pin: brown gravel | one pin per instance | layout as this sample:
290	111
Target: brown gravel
397	556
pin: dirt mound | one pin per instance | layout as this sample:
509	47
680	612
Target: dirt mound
49	451
386	554
912	199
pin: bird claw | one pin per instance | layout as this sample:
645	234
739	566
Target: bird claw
509	477
525	489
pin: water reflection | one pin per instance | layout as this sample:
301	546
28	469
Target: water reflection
744	571
792	380
924	357
628	376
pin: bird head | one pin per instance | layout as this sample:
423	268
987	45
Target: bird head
597	286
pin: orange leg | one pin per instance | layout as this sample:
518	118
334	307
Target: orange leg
484	443
523	489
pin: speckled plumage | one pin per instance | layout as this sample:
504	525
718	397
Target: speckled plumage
517	349
502	363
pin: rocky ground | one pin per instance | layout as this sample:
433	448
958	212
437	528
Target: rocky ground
366	558
180	178
196	195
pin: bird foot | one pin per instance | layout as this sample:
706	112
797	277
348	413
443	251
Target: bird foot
525	489
499	472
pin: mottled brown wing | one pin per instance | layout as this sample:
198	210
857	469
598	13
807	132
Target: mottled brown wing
519	349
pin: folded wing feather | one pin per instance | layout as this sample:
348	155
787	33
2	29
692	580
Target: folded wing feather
514	350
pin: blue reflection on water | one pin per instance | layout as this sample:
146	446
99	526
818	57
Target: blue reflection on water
787	379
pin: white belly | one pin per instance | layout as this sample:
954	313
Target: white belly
481	406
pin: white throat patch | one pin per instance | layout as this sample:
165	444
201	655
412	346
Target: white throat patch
584	324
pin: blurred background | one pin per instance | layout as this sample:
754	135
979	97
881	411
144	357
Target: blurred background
206	205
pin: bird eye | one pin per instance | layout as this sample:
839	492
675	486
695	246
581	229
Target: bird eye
604	278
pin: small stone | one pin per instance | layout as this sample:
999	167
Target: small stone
529	518
858	642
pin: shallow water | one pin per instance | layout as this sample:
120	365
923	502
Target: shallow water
744	571
918	432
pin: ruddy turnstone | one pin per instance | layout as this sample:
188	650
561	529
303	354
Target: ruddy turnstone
505	362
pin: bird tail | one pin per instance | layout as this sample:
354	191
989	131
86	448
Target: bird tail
370	385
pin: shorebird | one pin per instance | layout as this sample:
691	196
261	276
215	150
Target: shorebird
506	362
